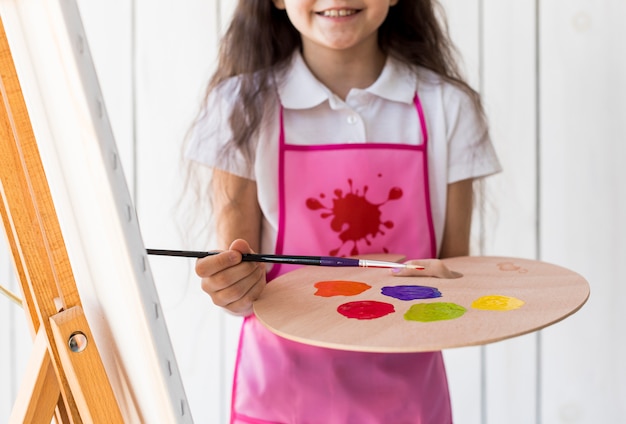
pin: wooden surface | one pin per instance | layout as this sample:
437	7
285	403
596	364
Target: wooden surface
29	216
83	367
39	392
289	307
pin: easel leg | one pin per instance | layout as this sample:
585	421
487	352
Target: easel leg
80	359
60	413
39	391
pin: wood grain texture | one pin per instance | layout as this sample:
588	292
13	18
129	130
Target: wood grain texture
29	216
42	262
39	392
289	307
95	402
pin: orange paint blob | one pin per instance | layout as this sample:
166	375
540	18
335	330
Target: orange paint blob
340	288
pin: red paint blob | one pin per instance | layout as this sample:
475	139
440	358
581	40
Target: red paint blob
365	309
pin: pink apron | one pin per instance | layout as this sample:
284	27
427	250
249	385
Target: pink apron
344	199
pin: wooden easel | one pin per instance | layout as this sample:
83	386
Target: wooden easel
65	376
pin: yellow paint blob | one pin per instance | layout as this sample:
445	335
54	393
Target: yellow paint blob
497	303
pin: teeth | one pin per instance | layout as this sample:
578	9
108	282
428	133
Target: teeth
335	13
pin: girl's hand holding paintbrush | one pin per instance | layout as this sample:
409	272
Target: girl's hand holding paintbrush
232	283
236	277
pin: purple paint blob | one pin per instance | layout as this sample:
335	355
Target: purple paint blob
411	292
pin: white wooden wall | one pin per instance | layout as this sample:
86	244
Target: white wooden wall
553	76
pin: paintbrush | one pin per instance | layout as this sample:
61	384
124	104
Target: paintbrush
291	260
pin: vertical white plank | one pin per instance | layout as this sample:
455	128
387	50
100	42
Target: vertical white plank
583	203
464	369
510	102
509	81
464	22
464	366
226	9
176	50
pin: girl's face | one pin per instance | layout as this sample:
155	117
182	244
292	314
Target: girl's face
336	24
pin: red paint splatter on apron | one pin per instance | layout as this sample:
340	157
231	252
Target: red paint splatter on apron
354	217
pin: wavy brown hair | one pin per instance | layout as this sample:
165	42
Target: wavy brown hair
260	41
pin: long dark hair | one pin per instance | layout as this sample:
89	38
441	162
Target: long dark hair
257	46
260	39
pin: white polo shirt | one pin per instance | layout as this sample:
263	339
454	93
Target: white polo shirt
458	148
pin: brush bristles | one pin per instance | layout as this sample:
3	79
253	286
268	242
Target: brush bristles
412	266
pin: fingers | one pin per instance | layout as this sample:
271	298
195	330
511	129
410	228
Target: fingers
209	265
231	283
236	288
432	268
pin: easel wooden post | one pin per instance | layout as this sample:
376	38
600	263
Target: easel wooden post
65	360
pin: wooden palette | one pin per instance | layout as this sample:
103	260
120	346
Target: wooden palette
289	307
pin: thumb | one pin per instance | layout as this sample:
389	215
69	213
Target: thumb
241	246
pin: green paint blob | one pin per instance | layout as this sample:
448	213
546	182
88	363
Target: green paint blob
437	311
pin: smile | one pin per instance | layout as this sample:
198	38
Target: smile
337	13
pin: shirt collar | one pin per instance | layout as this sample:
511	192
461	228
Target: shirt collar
397	82
301	90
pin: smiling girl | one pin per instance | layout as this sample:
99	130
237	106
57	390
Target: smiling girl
351	97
